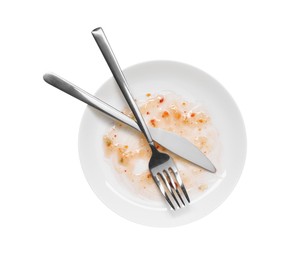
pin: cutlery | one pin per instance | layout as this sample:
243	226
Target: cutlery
163	169
174	143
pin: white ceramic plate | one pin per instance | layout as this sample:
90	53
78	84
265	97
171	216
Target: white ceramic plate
186	81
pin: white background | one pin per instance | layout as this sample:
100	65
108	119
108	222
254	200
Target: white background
48	211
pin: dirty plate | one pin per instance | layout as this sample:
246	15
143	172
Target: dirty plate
188	82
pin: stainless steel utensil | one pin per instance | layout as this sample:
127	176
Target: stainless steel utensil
161	165
174	143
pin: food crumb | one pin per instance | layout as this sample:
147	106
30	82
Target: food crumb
193	114
108	142
165	114
153	122
203	187
177	115
148	94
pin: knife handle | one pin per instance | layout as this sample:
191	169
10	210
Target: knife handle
89	99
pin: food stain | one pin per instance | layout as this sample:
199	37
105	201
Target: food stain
129	153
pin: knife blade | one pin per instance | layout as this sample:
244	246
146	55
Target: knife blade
171	141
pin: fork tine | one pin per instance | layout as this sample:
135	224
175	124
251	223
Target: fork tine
180	182
156	180
168	186
185	192
174	186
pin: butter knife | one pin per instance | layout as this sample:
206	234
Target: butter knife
171	141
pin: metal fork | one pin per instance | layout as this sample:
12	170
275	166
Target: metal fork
161	166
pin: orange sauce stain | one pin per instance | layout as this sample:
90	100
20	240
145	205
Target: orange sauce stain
128	152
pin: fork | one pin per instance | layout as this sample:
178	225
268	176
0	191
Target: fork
163	169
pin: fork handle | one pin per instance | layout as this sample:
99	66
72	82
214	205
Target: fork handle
114	66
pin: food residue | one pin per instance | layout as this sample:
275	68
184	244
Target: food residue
129	153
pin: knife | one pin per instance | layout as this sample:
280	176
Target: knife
171	141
